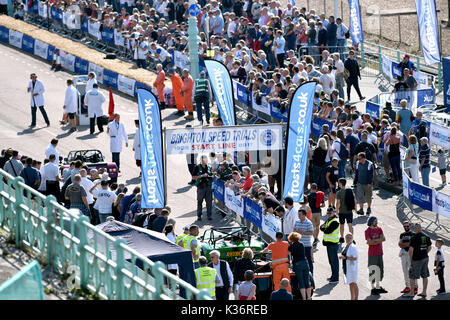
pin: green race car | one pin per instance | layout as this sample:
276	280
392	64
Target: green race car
230	242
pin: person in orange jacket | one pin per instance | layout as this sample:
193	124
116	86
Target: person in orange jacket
186	89
159	84
177	83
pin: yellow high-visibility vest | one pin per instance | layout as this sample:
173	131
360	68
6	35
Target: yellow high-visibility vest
333	236
206	279
180	237
187	245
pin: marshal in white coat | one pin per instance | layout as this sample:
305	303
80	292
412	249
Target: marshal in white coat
71	100
137	145
90	85
38	100
94	99
117	133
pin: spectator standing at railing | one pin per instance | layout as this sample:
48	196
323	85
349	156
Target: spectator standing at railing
140	48
409	80
424	159
332	34
339	74
321	36
442	165
419	126
341	36
404	117
406	63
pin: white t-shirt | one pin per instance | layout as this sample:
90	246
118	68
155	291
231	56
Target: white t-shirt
336	147
105	200
326	80
441	258
372	138
87	185
357	124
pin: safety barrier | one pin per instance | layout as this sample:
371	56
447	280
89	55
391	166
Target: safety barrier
427	199
24	285
59	236
245	211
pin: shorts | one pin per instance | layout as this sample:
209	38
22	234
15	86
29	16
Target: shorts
442	172
332	190
345	217
385	160
419	269
315	219
71	115
363	193
376	261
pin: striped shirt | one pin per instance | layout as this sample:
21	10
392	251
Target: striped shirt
201	87
424	153
305	226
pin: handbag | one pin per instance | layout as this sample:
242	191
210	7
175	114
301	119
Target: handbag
346	74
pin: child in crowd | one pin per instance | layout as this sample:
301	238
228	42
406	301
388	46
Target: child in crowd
439	265
247	289
442	164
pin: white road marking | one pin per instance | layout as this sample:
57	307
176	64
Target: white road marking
51	133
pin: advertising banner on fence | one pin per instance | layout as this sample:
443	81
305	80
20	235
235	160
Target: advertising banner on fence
220	80
429	32
28	44
446	76
153	192
219	190
264	107
298	130
67	61
224	139
440	135
420	195
41	49
15	38
356	31
98	71
441	204
125	85
233	202
94	29
252	212
271	225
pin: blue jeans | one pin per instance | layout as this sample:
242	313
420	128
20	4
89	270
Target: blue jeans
426	176
203	102
341	167
395	165
333	260
331	44
341	93
341	49
302	272
103	216
309	258
141	63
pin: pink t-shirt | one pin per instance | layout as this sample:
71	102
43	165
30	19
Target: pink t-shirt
374	250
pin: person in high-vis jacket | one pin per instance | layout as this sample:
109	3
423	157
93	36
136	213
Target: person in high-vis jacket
190	242
331	235
177	83
206	277
159	85
187	88
179	238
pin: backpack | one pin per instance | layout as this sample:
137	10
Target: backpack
421	130
343	152
347	34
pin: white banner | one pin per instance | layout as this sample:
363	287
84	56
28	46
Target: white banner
67	61
387	67
224	139
119	40
126	85
98	71
395	98
94	29
422	80
440	135
42	9
264	107
271	225
15	38
441	204
233	202
405	184
41	49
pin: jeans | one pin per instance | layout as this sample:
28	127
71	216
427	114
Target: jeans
395	165
271	61
353	82
309	258
33	115
92	124
331	44
103	216
441	279
341	44
302	272
203	102
341	167
333	260
141	63
426	176
116	158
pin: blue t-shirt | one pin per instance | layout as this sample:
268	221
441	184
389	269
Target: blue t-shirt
405	122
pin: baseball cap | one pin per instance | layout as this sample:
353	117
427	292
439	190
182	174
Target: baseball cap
187	227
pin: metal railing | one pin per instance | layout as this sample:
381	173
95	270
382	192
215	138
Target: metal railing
69	243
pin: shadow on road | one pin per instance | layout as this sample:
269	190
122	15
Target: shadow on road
136	180
183	189
326	289
89	136
29	130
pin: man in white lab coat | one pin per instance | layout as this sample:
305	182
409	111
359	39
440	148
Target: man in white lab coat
36	90
94	100
117	132
71	104
137	145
